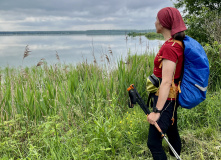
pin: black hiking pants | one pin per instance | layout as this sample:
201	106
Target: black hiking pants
154	138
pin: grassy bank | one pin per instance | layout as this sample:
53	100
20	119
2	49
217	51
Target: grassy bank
80	112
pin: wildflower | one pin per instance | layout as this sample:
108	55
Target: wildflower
120	121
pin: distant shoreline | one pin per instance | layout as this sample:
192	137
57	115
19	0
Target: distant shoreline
87	32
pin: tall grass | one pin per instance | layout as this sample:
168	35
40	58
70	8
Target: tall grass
80	112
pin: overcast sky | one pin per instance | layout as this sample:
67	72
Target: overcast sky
52	15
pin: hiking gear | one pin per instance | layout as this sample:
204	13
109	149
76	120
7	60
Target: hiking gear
171	19
153	83
172	93
152	87
136	98
195	75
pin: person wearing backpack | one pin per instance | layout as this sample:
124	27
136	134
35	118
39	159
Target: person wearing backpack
168	66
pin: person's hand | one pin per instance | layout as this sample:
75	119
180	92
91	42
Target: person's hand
153	117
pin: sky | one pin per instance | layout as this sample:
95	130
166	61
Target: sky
54	15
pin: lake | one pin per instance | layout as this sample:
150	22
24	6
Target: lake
71	49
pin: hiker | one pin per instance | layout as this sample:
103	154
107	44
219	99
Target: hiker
168	65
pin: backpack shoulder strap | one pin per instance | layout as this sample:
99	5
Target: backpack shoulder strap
179	42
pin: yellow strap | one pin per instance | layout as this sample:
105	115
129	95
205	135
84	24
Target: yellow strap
179	87
177	41
160	66
172	93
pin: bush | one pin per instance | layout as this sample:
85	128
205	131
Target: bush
214	55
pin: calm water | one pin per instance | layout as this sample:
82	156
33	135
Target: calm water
70	48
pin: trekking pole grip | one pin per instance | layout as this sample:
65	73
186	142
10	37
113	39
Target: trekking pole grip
159	129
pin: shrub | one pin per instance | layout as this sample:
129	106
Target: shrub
214	55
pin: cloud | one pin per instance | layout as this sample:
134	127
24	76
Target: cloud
79	14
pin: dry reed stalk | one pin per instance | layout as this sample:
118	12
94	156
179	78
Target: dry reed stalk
147	46
40	62
95	61
110	51
126	37
57	56
55	68
140	40
24	73
65	69
106	56
26	52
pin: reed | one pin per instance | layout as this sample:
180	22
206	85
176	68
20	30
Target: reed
80	112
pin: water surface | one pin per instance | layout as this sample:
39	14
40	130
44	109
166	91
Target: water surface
71	49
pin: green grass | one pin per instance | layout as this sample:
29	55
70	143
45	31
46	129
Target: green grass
81	112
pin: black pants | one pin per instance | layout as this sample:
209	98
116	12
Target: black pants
154	138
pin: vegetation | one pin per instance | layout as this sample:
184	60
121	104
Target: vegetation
148	35
206	15
80	112
202	18
214	54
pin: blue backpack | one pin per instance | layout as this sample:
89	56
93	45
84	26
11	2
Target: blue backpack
195	76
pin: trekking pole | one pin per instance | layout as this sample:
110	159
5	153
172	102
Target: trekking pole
136	98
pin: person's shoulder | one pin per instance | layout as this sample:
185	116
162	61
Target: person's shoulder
168	46
173	45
